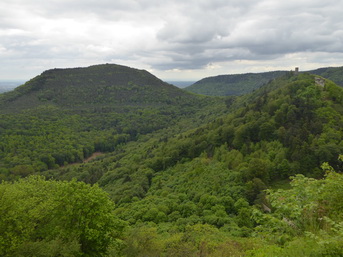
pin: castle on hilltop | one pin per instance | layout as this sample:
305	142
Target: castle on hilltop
296	71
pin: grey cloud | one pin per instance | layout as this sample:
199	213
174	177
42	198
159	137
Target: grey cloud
171	34
266	30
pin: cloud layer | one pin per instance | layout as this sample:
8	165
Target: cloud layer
172	38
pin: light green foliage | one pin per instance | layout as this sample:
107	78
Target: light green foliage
307	218
195	240
55	218
200	190
310	200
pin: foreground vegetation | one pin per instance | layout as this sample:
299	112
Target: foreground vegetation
244	178
55	218
51	218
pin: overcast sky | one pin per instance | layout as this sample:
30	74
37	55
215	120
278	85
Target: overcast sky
173	39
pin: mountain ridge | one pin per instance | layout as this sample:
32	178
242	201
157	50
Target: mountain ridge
235	84
239	84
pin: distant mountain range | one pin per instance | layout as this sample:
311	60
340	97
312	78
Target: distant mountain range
239	84
6	85
180	83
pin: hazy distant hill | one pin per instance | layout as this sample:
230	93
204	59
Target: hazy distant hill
238	84
3	90
181	83
6	86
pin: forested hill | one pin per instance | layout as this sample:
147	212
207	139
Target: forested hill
237	84
186	181
333	73
100	85
291	125
204	189
65	115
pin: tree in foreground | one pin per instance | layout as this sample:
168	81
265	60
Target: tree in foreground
307	219
55	218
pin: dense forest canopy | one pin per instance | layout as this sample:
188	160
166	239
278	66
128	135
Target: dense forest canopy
65	115
178	174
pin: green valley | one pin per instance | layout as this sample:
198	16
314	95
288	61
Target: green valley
63	116
179	174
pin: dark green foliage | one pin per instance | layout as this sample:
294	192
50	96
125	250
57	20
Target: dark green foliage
187	173
101	85
277	134
63	116
215	173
